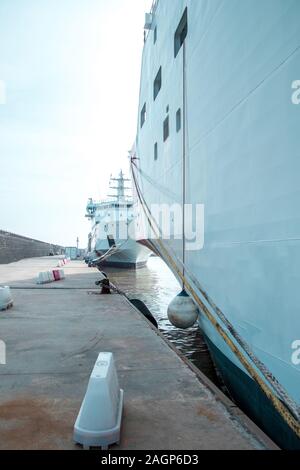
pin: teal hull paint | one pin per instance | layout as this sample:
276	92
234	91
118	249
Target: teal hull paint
249	397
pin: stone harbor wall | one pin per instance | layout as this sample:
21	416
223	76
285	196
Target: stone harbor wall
15	247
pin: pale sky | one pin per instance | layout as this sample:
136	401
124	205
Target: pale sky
69	70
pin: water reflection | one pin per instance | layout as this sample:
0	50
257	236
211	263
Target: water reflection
156	286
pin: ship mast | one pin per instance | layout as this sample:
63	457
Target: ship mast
120	187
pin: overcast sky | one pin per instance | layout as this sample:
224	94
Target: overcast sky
69	70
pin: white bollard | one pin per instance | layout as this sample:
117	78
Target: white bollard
98	423
6	300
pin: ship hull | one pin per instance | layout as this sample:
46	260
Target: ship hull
236	153
249	397
130	255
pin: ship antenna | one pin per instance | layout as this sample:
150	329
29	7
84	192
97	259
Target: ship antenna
121	191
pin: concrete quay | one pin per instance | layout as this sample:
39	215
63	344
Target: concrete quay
53	335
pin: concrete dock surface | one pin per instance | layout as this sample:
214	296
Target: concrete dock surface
53	335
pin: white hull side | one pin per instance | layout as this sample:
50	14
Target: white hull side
242	163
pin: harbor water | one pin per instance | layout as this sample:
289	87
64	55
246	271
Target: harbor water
156	286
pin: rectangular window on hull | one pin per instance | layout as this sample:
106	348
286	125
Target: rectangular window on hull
157	84
178	120
155	151
181	32
166	128
143	115
155	35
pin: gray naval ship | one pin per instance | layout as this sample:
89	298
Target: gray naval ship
219	121
111	241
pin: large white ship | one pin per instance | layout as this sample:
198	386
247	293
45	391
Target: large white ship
112	238
219	121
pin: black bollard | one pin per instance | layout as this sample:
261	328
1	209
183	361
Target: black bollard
105	287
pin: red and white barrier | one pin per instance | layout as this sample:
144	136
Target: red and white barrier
50	276
56	274
61	273
43	278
